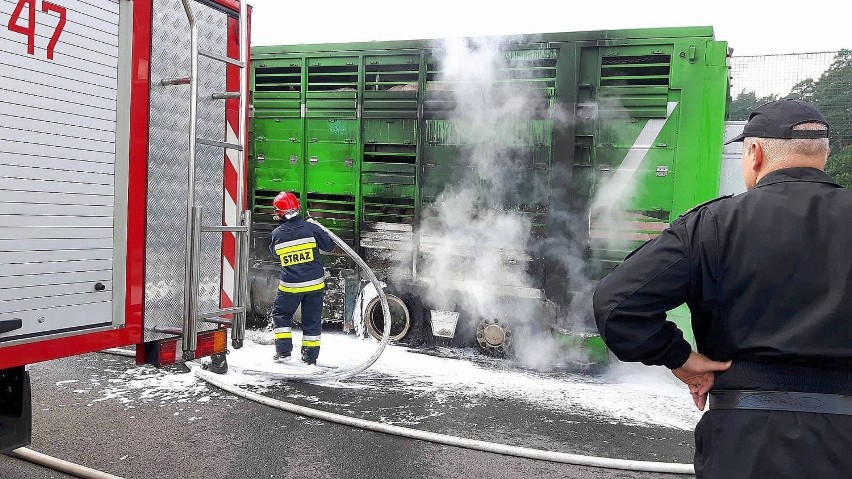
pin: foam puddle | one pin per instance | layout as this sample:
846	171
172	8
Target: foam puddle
629	394
625	394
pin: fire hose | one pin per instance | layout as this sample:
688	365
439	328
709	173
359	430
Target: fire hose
505	449
60	465
343	373
477	445
485	446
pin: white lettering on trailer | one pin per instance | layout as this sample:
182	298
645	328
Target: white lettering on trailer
64	119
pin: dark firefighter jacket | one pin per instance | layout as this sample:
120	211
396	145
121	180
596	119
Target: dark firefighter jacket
767	276
296	243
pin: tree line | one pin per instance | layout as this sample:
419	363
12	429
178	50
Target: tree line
832	94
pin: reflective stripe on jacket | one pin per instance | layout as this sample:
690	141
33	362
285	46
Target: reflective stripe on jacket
303	287
297	244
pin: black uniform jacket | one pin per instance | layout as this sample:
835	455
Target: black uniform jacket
767	276
296	243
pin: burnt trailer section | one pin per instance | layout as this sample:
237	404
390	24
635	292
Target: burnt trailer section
492	180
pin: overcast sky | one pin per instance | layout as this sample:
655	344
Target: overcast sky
750	27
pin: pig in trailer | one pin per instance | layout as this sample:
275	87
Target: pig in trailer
122	125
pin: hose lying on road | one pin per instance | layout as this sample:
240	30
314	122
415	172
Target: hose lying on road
59	465
525	452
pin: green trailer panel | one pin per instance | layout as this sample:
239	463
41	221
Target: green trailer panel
365	134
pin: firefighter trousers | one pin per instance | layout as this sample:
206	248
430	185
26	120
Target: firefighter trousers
282	319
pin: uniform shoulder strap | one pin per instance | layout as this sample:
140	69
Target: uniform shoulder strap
702	205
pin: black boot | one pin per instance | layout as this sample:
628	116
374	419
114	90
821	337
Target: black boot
309	355
218	363
281	357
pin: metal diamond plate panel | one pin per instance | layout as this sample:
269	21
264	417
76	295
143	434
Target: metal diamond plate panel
167	162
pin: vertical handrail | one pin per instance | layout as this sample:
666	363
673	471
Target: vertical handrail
243	99
238	327
241	240
193	224
190	325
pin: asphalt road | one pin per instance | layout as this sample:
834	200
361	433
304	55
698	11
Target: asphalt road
101	411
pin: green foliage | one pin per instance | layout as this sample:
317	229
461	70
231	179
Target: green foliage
745	103
832	96
839	166
804	90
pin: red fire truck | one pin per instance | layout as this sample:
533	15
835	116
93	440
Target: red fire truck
122	190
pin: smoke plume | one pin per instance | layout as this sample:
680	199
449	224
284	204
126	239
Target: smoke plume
476	239
479	237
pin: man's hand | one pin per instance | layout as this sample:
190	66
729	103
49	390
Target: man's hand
698	372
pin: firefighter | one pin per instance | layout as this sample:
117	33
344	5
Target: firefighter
767	276
296	243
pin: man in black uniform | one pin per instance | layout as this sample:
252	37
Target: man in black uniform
767	276
296	243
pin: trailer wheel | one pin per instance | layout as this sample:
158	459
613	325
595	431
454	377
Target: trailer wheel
400	318
494	337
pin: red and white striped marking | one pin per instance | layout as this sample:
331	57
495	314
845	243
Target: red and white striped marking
231	215
231	218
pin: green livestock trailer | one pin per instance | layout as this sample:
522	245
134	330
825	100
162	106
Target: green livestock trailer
490	181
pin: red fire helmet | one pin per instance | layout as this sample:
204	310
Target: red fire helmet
285	202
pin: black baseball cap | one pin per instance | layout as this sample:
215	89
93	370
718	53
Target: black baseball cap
776	120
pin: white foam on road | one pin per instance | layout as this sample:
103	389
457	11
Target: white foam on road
146	385
631	394
138	386
628	394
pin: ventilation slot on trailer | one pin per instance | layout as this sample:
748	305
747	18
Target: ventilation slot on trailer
332	88
335	212
636	85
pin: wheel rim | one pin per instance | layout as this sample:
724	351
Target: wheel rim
400	318
493	337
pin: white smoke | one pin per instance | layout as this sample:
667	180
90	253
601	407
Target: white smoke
610	218
618	185
469	249
476	239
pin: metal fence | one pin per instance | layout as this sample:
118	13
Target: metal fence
825	78
776	75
